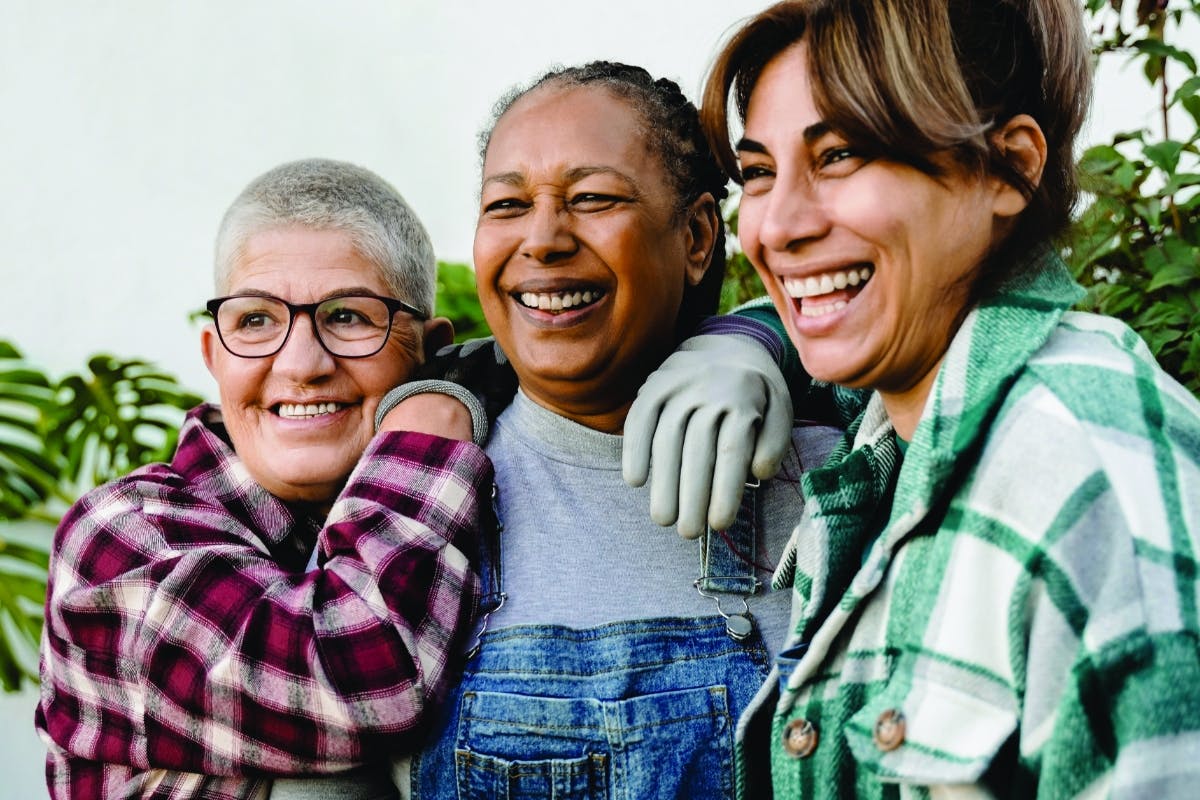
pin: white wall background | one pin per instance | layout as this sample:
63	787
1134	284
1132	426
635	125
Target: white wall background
126	127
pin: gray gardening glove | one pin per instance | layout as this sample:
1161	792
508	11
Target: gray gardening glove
715	415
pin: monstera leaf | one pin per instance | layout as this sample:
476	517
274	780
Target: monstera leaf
24	560
28	481
27	476
57	440
114	418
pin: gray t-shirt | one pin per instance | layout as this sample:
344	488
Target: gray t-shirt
579	548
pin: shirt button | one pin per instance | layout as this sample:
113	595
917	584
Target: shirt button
800	738
889	730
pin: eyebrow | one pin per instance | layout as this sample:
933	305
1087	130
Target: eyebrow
349	291
810	134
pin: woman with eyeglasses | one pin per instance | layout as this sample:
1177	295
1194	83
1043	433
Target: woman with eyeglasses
995	586
187	652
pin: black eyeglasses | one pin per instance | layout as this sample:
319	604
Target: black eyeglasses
352	326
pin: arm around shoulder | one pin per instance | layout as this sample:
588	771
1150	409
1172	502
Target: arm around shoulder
175	639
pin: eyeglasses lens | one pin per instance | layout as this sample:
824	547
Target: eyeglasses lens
252	326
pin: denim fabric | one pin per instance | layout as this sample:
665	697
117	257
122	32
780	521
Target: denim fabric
633	710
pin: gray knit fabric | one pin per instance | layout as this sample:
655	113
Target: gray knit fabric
578	546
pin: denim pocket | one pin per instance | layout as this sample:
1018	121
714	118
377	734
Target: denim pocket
482	777
658	745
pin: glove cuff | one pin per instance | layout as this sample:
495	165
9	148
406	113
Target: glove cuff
479	423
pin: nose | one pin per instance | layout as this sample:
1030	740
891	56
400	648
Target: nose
795	214
303	360
548	237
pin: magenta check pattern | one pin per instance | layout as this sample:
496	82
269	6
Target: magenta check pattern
187	653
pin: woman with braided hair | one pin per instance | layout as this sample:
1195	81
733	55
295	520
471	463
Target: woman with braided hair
620	658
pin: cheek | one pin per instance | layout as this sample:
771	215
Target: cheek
749	219
489	252
376	376
240	380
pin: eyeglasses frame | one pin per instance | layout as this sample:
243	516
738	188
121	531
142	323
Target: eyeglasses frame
393	305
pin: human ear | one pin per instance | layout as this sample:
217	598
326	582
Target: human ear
436	334
1022	144
209	344
702	222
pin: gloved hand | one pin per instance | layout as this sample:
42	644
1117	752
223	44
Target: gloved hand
714	415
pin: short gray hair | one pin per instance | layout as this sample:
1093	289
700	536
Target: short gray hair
333	195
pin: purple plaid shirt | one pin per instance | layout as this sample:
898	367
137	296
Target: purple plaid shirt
187	653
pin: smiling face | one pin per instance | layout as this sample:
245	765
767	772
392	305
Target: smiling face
581	254
870	262
300	419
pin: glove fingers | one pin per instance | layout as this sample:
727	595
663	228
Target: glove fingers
700	456
641	426
774	437
666	456
734	443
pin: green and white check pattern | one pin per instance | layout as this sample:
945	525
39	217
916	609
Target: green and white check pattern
1022	586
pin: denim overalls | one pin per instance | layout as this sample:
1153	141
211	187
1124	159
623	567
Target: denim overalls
631	710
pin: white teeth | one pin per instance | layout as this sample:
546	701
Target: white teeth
558	301
814	286
810	310
306	410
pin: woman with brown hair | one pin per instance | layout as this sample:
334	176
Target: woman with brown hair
994	581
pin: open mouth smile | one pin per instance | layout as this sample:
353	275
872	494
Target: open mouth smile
306	410
558	302
824	294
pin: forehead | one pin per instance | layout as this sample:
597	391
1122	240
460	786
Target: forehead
299	263
782	96
564	127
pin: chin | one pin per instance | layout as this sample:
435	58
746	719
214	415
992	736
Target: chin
308	486
831	367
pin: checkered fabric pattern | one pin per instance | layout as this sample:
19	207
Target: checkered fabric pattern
1009	608
187	653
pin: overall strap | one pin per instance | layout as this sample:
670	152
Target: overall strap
491	584
727	557
727	561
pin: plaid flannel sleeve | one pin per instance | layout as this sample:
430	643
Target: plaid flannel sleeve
173	640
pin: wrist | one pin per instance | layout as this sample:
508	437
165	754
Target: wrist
479	423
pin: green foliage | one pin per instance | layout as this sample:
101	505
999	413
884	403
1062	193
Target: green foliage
57	440
741	281
112	418
457	299
27	476
1136	244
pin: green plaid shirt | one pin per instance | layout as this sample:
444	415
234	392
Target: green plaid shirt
1009	609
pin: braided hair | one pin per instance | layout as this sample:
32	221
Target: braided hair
671	128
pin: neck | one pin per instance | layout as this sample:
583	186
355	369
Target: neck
606	417
905	406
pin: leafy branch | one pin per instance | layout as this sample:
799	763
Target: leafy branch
57	440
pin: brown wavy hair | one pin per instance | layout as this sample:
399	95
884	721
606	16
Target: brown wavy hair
908	79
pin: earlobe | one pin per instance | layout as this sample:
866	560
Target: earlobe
1023	145
703	219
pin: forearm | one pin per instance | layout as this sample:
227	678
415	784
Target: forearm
203	655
